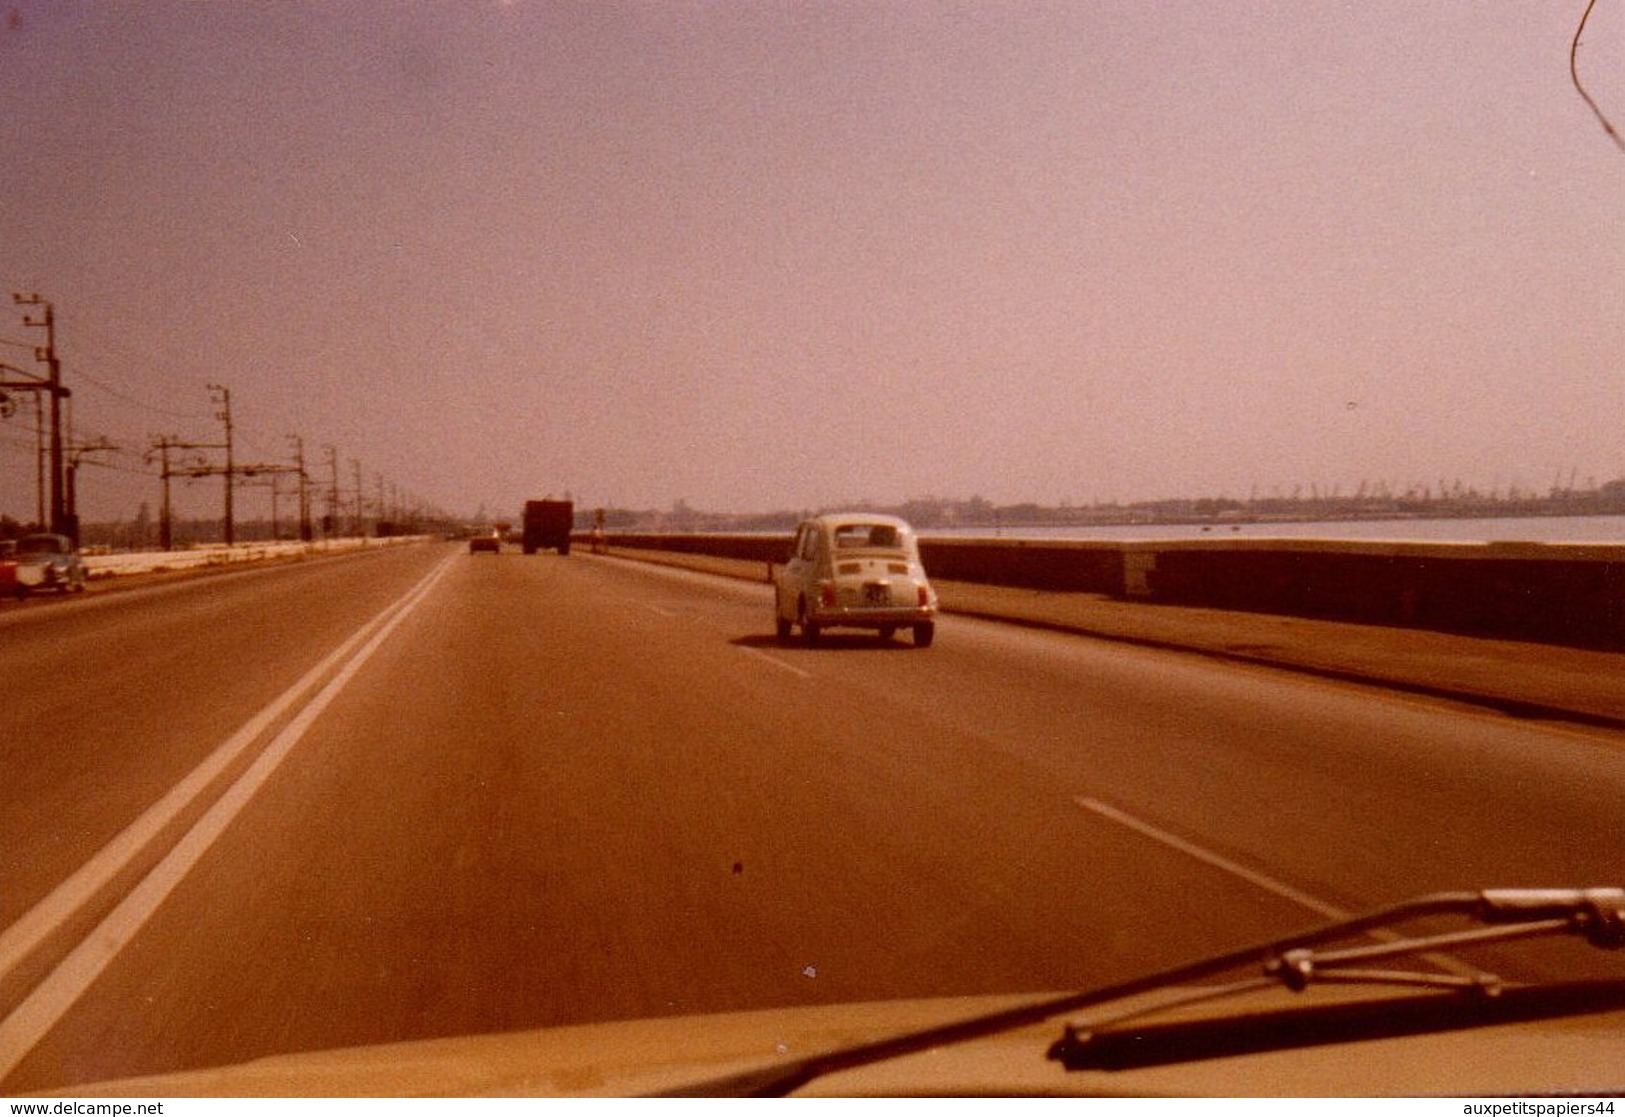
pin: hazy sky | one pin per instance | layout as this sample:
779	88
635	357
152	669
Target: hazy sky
758	255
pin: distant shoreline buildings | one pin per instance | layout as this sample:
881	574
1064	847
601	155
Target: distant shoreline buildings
939	514
934	513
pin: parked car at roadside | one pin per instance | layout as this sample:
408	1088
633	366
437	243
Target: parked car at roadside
47	562
854	570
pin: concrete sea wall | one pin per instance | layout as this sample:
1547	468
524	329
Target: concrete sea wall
1572	594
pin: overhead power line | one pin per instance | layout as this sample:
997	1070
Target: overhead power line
80	374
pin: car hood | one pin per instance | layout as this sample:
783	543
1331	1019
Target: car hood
1576	1055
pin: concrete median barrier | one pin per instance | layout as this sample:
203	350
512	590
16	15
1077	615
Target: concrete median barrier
195	558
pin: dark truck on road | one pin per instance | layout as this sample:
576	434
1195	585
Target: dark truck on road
548	523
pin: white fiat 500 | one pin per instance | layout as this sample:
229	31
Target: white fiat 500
856	570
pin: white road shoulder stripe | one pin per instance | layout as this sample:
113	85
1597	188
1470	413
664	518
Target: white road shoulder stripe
1443	961
1173	841
777	662
40	1011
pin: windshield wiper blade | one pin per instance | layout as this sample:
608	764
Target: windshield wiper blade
1135	1048
1596	914
1477	999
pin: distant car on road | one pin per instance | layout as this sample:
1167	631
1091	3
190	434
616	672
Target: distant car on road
491	543
854	570
47	562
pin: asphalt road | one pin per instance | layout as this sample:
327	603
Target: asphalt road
424	793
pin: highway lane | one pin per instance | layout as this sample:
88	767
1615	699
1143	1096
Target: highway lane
113	697
569	790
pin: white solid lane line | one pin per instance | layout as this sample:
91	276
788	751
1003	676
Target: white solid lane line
1261	880
23	936
776	662
1207	856
40	1011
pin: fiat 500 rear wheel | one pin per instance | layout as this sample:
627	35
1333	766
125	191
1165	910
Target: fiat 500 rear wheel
809	629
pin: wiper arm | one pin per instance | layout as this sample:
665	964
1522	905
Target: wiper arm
1135	1048
1596	914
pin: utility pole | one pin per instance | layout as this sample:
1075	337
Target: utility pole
332	525
198	467
195	467
274	474
360	500
76	455
276	510
162	446
59	519
304	487
222	397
